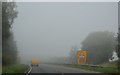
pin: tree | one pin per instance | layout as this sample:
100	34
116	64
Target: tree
72	56
119	36
99	46
9	50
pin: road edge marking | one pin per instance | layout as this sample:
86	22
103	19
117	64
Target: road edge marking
29	71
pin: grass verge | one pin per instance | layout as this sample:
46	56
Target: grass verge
17	68
0	69
104	69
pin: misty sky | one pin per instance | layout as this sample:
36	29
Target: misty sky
50	29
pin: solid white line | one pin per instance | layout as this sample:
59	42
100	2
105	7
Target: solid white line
29	71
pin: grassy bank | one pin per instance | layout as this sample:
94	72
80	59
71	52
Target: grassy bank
17	68
109	68
0	68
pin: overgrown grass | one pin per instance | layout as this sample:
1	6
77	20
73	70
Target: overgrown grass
17	68
109	68
0	69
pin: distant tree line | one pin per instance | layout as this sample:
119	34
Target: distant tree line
99	46
9	48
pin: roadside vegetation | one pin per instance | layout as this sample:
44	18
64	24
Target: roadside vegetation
9	47
17	68
99	46
0	69
10	57
103	68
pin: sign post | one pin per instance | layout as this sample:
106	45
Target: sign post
81	56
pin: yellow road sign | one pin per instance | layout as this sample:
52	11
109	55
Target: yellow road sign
81	56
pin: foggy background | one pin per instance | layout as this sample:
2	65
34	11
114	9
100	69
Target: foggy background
47	30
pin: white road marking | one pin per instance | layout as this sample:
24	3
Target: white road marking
29	70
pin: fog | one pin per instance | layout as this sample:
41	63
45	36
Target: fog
47	30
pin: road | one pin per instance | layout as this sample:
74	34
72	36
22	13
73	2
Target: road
48	68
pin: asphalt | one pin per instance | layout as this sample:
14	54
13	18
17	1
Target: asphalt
48	68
